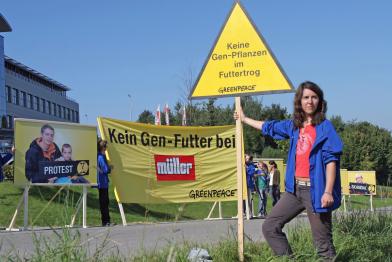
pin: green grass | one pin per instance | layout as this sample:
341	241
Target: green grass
60	210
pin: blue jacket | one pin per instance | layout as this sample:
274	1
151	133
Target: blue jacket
250	172
103	172
326	148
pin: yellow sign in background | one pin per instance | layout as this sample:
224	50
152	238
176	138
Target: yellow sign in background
363	177
133	149
83	140
344	181
240	63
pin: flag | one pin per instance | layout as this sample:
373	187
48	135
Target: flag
167	111
158	116
184	115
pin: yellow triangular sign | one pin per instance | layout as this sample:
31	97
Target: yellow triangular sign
240	63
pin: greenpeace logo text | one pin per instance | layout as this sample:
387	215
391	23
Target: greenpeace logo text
172	168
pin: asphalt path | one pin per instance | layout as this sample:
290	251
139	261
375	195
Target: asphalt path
134	239
138	238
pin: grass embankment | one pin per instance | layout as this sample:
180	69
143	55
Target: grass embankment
60	210
358	236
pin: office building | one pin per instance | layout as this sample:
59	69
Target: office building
27	93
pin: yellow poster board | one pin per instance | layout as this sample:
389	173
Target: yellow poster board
170	164
55	153
362	182
240	63
344	181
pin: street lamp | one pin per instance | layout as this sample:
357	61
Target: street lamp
130	106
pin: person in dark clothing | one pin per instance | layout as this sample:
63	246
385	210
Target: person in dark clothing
41	149
5	160
250	172
274	182
103	171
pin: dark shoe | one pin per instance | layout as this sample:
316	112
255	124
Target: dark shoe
108	224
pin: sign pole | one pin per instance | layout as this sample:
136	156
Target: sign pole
26	207
12	223
76	212
84	206
123	219
238	135
371	202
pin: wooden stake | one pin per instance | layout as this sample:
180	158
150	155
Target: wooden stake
238	140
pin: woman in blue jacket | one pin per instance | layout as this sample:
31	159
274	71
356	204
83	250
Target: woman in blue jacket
103	170
312	173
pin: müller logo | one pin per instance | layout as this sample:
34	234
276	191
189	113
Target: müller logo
172	168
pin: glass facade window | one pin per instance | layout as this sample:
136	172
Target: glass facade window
48	107
15	96
68	114
54	109
23	99
59	111
76	116
43	105
36	103
8	94
30	101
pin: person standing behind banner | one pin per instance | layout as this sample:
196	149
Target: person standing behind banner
42	148
250	172
274	182
313	171
262	181
103	171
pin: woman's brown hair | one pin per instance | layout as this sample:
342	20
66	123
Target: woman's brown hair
101	144
299	115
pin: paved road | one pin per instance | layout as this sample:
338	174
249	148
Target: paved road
134	238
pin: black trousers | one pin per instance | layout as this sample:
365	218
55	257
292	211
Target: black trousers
288	207
275	194
104	205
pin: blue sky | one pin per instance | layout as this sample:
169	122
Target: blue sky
105	50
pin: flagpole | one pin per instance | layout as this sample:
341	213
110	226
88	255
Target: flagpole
130	107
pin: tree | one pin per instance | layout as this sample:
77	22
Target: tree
338	123
146	117
367	147
253	140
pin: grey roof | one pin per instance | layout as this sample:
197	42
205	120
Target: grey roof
4	26
36	73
